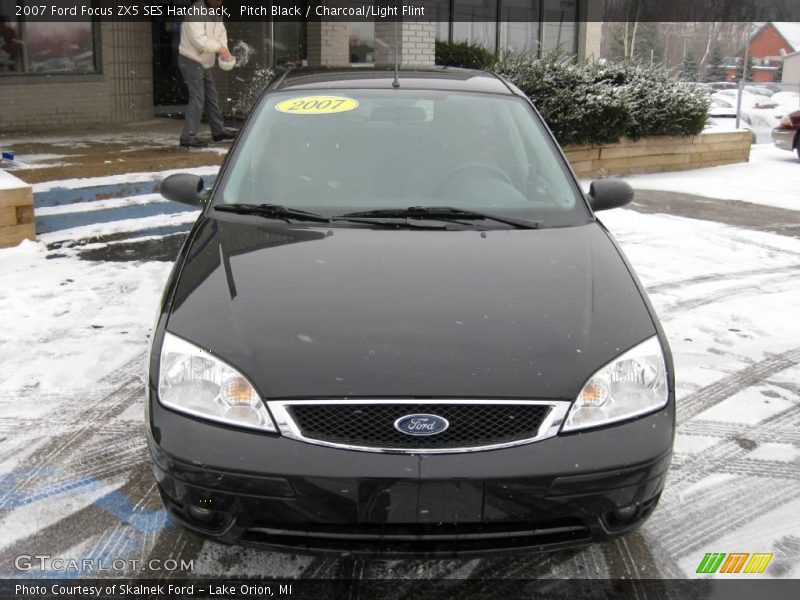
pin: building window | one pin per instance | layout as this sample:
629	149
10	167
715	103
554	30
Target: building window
288	43
362	42
32	47
519	27
475	21
512	26
559	26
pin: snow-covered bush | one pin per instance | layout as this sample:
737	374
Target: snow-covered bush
577	108
658	102
585	103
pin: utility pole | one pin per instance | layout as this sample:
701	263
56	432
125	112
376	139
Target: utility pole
746	60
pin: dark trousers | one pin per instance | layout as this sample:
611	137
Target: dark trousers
202	97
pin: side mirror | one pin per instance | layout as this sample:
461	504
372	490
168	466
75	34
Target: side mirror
609	193
184	188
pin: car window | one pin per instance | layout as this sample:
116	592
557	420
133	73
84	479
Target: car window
339	151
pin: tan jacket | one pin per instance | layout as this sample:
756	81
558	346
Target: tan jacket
202	37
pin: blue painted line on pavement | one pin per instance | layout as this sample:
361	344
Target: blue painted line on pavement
115	503
50	223
144	521
157	231
16	498
61	196
65	196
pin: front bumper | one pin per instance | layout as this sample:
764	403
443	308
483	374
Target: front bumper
784	138
241	487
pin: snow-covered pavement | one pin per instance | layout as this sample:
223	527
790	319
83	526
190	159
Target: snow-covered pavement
74	474
770	178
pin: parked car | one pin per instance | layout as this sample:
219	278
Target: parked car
722	115
722	85
721	106
398	326
756	118
788	101
749	99
760	90
787	134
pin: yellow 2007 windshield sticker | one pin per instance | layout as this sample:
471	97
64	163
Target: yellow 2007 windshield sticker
317	105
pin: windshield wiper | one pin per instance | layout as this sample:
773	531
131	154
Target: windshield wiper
440	213
272	211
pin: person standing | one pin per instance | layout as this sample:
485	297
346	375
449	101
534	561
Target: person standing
203	37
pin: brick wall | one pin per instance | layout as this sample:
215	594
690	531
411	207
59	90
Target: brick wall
657	154
328	44
415	41
122	92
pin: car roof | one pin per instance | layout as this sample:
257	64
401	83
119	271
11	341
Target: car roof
432	78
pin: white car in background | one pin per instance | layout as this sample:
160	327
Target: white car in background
787	101
760	114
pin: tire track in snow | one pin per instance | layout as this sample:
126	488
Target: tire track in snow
785	433
134	520
688	469
780	284
726	387
116	392
622	563
534	565
55	539
681	525
764	246
121	522
716	511
771	469
714	277
175	543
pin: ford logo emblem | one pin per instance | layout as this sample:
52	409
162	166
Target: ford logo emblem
421	425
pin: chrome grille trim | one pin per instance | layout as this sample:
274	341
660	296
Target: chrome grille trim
286	425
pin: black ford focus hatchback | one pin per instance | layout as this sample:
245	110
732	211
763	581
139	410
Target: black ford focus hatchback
397	326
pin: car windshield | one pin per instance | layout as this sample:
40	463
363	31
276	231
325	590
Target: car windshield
343	151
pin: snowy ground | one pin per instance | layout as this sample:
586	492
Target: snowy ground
770	178
74	474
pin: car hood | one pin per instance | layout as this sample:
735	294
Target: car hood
365	312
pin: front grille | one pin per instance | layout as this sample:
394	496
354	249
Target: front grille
425	539
372	425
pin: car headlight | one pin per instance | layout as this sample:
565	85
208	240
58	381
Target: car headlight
632	384
193	381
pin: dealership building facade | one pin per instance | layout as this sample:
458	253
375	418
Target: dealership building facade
103	72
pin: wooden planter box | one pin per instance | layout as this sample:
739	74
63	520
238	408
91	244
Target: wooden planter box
16	211
658	154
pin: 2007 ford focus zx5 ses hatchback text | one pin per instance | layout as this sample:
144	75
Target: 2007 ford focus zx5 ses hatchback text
398	327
